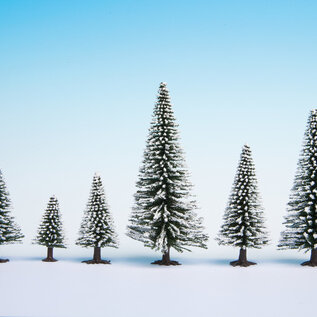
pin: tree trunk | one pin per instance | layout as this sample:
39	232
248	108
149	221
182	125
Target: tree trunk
243	255
313	259
242	261
166	260
4	260
49	257
166	256
97	257
313	256
97	254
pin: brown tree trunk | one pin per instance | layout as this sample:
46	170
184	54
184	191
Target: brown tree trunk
97	257
166	260
166	256
243	255
97	254
242	261
313	259
4	260
49	257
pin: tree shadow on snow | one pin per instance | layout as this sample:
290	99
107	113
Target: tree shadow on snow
133	260
145	261
283	261
25	258
205	261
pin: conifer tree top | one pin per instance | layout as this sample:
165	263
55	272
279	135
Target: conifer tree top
243	219
97	228
50	232
10	232
164	212
301	218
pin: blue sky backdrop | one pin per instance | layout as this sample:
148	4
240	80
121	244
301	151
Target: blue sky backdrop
78	82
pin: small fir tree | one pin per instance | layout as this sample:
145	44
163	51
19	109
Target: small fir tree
97	229
164	214
9	230
301	218
243	218
50	233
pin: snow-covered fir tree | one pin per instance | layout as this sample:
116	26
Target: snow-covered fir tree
301	218
164	214
243	225
50	233
97	229
9	230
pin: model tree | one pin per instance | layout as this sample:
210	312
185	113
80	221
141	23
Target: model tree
301	219
97	228
9	230
50	233
243	225
164	215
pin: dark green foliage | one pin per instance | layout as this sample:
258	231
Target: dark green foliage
164	214
50	232
243	219
97	229
301	218
9	230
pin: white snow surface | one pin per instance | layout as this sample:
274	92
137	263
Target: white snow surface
133	287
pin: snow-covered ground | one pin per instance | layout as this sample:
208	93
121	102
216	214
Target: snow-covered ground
132	287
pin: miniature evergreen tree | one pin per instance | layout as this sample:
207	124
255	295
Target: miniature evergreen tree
50	232
301	218
243	218
164	214
9	230
97	228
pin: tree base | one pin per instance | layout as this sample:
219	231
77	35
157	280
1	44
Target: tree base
313	259
4	260
96	262
49	260
309	263
166	263
242	263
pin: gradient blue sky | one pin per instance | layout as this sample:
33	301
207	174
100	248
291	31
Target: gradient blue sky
79	80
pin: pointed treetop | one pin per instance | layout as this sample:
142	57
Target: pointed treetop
301	219
50	232
163	87
243	218
9	231
246	151
164	215
97	228
246	148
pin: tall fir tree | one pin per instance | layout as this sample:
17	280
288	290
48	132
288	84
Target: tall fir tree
243	225
50	233
164	214
10	232
97	229
301	218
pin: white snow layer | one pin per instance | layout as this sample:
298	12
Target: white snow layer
70	288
